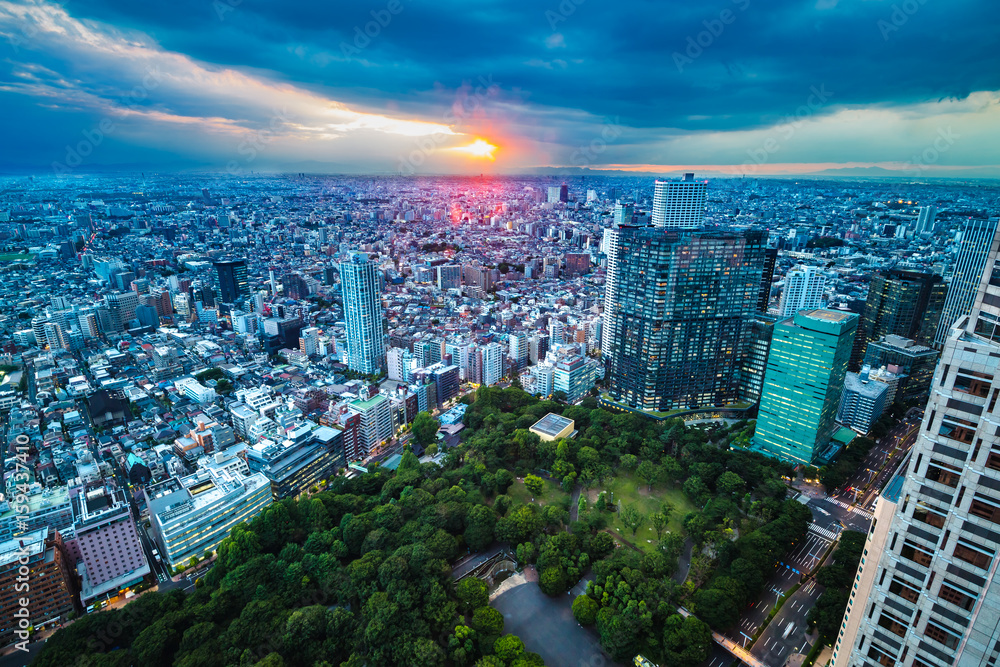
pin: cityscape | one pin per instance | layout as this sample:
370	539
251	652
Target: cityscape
499	334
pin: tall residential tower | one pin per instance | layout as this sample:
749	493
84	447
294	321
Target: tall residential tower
361	285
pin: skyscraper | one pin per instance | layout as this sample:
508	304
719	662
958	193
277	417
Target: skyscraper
231	281
925	219
803	384
977	239
903	303
924	593
366	340
766	278
803	290
681	316
679	204
558	193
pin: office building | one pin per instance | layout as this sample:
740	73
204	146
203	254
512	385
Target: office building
803	290
754	364
622	215
41	508
122	306
925	219
901	303
806	368
913	363
191	515
863	401
558	193
577	264
306	456
679	204
361	286
449	276
574	376
230	278
766	278
924	593
684	303
977	239
48	575
538	347
106	541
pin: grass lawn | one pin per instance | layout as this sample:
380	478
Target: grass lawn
15	256
630	490
552	494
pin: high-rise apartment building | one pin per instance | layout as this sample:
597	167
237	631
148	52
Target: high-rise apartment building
231	283
925	593
366	339
903	303
805	375
977	239
492	363
680	322
37	558
558	193
122	306
518	344
803	290
679	204
925	219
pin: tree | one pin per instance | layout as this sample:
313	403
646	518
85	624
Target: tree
628	462
487	621
632	518
659	523
585	610
729	484
686	641
648	472
552	581
509	648
534	484
473	594
425	428
480	523
432	449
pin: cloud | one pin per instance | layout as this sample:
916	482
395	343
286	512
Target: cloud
227	75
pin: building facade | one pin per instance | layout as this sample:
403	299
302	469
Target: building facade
803	290
684	302
679	204
925	592
805	376
977	239
366	338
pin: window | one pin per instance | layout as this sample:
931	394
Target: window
973	382
942	473
951	594
918	556
957	428
929	515
880	657
904	591
993	461
985	511
941	635
970	555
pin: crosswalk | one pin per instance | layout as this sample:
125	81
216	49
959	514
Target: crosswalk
823	532
865	513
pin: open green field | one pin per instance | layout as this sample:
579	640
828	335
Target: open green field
16	256
552	495
628	489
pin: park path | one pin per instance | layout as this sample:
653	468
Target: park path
574	504
684	562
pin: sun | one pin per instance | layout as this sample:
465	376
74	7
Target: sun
480	148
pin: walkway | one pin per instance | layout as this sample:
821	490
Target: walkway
735	649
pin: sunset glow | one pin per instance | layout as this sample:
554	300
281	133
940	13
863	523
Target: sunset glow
480	148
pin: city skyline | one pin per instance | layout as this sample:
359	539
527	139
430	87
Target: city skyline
734	88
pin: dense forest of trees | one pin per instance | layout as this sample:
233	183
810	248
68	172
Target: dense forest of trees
359	573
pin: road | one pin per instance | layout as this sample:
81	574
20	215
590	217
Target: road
773	647
864	485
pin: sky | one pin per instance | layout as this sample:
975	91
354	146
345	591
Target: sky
756	87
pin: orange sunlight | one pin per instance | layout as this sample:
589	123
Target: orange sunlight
480	148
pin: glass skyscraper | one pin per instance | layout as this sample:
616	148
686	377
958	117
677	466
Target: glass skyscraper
684	302
925	592
803	384
231	281
902	303
361	284
977	238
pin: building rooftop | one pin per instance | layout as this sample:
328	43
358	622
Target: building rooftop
551	424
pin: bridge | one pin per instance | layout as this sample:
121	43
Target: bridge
490	568
734	648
